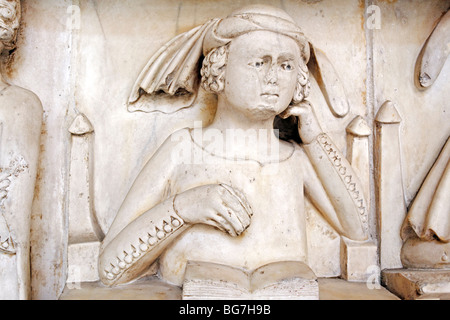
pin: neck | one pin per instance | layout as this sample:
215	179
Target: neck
227	118
241	136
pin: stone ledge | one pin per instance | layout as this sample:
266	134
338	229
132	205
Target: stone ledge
418	284
154	289
149	288
339	289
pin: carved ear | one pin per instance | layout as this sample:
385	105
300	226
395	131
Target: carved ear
329	82
173	69
434	54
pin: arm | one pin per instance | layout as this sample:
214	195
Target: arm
341	186
136	239
330	181
140	243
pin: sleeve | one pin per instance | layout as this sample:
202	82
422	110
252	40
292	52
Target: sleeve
146	219
334	188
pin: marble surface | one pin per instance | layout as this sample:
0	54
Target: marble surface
153	289
82	58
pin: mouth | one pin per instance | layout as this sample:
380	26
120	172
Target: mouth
269	95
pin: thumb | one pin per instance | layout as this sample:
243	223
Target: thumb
296	110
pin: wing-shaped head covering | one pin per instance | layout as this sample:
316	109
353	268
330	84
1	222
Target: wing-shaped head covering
434	54
174	69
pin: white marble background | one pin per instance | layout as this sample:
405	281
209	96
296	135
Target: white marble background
88	63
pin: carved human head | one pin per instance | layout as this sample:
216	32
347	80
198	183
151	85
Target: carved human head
213	74
249	20
10	13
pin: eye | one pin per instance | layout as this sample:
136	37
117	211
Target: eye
259	64
287	66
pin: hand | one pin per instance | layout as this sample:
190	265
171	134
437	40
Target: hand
308	125
217	205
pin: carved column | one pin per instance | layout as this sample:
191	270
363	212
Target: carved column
84	232
391	206
359	260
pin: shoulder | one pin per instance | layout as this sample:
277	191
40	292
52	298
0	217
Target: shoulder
23	98
298	150
175	148
21	112
179	138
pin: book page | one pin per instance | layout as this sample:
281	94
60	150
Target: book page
277	272
215	281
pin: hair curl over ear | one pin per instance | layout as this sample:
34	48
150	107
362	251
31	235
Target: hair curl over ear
213	70
303	84
213	74
9	22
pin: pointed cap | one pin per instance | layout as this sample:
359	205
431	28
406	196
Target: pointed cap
388	113
81	125
359	128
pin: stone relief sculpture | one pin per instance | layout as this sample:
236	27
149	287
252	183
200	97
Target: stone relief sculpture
426	230
434	54
171	81
21	120
233	193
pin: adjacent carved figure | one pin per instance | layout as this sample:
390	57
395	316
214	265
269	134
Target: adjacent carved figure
233	193
20	128
426	230
434	54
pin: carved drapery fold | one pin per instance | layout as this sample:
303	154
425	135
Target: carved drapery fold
429	215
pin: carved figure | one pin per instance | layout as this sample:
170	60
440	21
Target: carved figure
434	54
426	229
233	193
21	120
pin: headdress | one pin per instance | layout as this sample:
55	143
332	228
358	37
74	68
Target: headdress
173	69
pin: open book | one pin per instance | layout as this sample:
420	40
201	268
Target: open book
286	280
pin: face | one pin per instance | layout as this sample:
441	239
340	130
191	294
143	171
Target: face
261	74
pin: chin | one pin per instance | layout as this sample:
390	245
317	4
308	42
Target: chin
264	112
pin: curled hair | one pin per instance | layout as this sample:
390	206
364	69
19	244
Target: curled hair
303	84
213	74
213	70
9	22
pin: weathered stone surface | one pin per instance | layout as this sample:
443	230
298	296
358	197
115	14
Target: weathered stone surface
102	123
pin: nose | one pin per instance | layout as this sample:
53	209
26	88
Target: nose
271	75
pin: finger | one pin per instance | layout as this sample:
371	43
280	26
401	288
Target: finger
213	223
238	219
297	110
234	205
285	114
225	223
239	207
240	197
244	202
302	108
218	221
